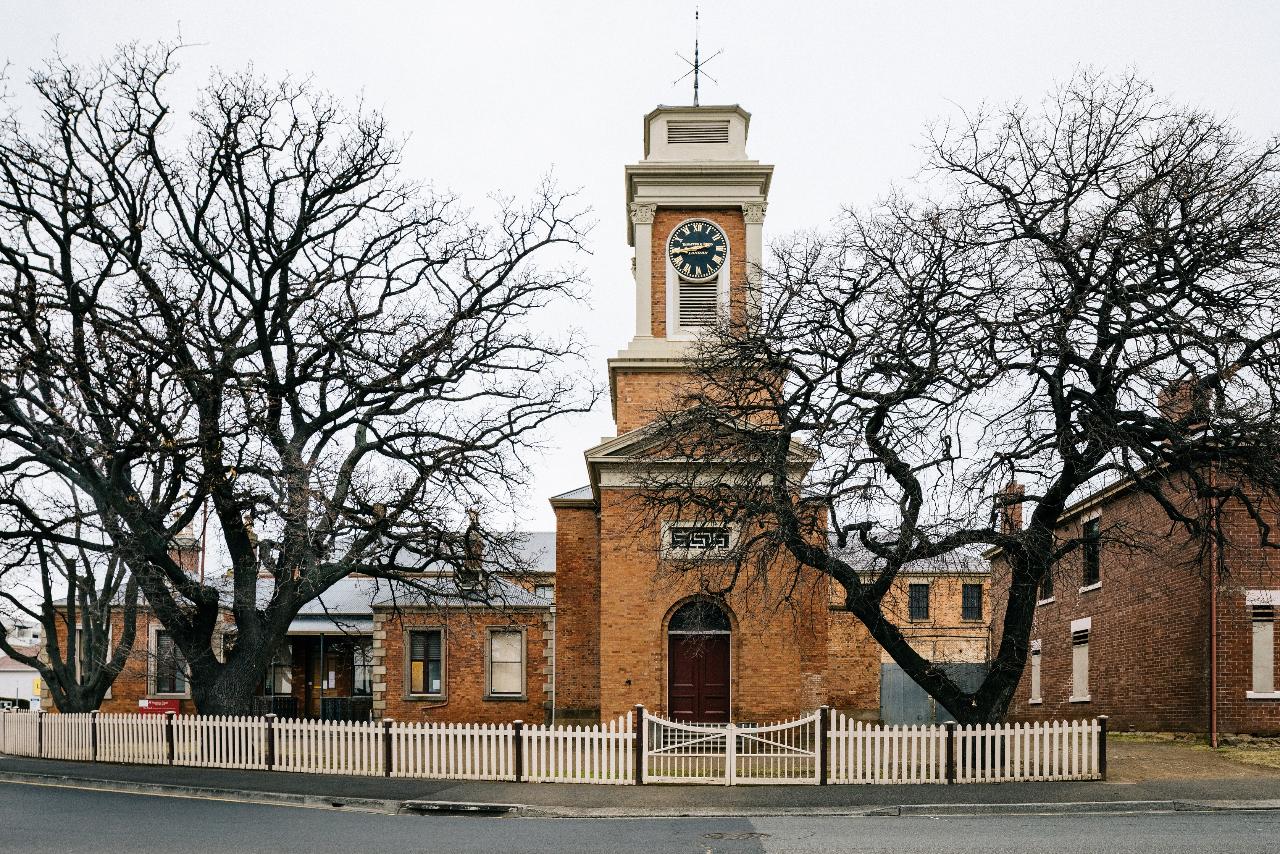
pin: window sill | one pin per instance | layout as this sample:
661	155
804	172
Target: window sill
1035	702
506	698
424	698
1262	695
1097	585
1048	601
1078	699
972	620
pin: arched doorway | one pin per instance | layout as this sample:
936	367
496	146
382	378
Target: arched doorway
698	662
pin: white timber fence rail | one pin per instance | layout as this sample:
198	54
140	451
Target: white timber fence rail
821	748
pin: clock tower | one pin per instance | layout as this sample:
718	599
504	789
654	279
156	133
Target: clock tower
628	629
695	212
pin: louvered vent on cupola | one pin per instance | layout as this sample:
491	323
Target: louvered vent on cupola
698	131
697	305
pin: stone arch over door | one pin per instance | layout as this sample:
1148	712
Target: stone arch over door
699	658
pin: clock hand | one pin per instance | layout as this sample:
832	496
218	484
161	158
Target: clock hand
696	247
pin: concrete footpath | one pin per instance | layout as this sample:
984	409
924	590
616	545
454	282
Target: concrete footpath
378	794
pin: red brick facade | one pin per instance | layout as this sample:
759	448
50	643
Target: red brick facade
1149	649
465	697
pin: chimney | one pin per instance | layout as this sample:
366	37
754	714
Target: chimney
1009	503
1184	399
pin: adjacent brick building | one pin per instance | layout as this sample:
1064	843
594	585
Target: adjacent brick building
1138	625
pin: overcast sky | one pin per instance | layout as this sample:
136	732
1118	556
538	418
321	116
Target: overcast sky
493	95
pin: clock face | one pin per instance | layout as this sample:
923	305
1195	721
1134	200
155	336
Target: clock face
697	249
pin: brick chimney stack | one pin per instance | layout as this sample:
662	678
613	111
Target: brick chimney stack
1009	503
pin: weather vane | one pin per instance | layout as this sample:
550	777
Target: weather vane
697	66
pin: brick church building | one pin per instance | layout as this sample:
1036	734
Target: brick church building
626	631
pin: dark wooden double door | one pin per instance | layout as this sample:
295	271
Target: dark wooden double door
698	677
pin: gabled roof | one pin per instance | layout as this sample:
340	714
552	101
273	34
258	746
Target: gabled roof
10	665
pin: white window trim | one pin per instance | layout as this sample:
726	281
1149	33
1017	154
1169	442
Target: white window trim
1083	624
490	631
1262	695
153	660
1078	699
676	332
1048	601
1089	587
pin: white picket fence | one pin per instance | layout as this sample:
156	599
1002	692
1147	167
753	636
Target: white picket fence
581	754
824	747
861	753
987	753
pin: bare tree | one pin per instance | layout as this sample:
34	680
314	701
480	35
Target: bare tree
1086	293
251	308
84	600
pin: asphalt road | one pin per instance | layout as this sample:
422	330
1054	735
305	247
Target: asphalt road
37	818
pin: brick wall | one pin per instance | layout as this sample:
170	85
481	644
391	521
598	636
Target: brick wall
733	225
778	652
1149	638
1249	566
464	666
577	690
133	682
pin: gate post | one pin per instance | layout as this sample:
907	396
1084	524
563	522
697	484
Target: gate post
639	746
1102	747
730	753
93	735
386	746
824	721
271	740
40	733
517	738
951	751
168	735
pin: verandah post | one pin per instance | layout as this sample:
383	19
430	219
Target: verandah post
639	745
93	735
168	735
271	740
386	746
951	751
517	746
824	717
40	733
1102	747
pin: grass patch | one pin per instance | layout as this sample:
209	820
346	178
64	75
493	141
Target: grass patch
1158	738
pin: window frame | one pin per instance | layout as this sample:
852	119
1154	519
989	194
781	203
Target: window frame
1035	688
1260	608
1044	592
1091	553
79	641
911	609
489	694
1085	625
153	667
969	585
408	693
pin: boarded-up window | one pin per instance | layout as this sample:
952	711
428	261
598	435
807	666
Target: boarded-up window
506	662
1264	648
1080	659
426	662
1035	672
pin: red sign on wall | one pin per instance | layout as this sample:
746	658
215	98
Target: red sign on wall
157	707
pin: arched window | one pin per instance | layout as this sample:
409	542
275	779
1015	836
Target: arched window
699	617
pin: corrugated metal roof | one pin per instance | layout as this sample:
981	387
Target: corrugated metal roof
582	492
952	563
